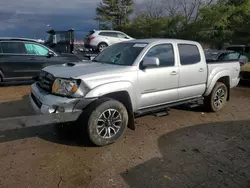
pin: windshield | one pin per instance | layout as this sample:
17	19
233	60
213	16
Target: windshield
121	53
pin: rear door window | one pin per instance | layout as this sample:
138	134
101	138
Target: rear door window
189	54
35	49
13	48
109	34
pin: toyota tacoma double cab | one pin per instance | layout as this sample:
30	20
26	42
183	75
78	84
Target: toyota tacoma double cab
131	79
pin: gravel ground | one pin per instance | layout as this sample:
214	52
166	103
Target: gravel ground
187	148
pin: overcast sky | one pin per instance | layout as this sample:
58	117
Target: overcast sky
29	18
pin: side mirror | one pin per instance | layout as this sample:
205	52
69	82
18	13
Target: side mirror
50	54
243	60
151	62
127	37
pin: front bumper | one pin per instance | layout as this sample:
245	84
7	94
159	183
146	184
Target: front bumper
45	103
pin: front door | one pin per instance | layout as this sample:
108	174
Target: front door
113	38
38	58
122	37
193	72
159	85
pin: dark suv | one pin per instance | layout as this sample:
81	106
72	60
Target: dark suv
22	59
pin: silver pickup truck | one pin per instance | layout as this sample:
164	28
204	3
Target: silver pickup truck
130	79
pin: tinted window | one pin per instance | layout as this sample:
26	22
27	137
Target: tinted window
164	52
189	54
120	53
13	47
35	49
108	34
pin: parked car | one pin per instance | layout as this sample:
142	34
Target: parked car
101	39
130	79
22	59
245	51
225	55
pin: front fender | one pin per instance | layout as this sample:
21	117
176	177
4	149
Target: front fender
213	78
113	87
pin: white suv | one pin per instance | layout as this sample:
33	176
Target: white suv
100	39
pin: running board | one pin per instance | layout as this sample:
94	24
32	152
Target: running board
166	106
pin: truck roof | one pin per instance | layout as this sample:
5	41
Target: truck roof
155	40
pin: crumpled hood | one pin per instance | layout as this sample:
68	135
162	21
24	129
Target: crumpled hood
80	69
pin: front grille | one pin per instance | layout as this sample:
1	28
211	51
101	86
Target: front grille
36	101
45	81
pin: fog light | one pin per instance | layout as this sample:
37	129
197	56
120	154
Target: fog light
60	109
52	109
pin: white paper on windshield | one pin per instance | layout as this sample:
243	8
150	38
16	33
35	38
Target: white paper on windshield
140	45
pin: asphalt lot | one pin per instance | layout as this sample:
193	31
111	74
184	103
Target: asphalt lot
187	148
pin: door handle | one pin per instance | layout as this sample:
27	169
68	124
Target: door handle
173	73
32	58
201	70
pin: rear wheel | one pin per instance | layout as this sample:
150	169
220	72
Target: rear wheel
106	122
218	97
102	46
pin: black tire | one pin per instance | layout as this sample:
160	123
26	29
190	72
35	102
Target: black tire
217	99
95	118
102	46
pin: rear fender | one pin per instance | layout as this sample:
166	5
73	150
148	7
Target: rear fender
113	87
213	78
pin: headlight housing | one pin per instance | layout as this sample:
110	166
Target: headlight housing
67	87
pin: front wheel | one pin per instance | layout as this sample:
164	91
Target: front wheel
218	97
107	122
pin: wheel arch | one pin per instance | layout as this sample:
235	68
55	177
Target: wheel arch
220	77
124	98
103	42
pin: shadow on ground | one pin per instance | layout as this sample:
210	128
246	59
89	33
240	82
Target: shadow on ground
65	134
208	155
16	83
16	108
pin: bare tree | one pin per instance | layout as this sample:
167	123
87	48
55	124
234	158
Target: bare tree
191	8
157	8
161	8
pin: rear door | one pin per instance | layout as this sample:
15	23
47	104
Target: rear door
193	72
13	60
